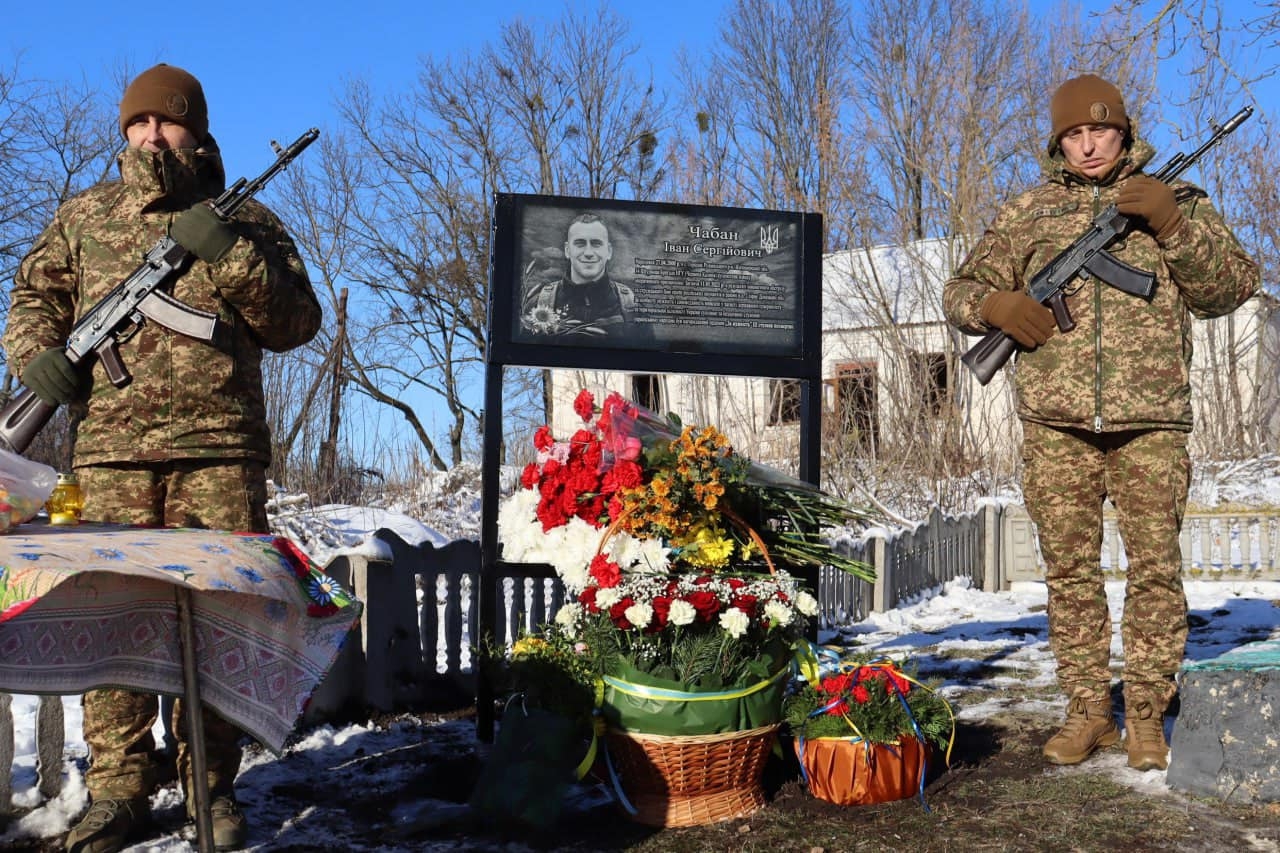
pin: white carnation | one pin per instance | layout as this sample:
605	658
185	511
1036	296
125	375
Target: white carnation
570	549
654	556
806	603
639	614
681	612
568	616
735	622
606	597
778	613
638	555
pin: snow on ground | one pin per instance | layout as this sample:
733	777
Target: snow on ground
980	644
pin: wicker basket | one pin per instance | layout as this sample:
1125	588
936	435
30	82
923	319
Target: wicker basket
690	780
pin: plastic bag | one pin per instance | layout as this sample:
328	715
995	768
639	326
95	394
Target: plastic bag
24	487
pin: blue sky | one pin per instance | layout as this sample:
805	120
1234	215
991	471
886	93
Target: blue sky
273	68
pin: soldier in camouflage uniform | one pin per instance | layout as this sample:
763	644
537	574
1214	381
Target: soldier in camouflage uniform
1106	408
187	442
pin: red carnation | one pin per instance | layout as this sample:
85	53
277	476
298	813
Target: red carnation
584	404
618	613
661	610
834	685
623	475
895	682
604	571
590	510
582	480
529	476
543	439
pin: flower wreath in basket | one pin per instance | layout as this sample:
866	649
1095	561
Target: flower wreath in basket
880	708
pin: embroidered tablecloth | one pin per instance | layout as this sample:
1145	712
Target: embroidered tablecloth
95	605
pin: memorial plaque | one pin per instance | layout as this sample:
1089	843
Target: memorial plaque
617	275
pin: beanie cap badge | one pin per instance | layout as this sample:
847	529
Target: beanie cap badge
1099	111
176	104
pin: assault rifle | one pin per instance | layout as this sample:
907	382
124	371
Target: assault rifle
139	297
1088	256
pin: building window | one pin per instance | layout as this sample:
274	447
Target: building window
646	390
929	375
784	401
857	409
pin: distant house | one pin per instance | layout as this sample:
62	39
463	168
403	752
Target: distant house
893	381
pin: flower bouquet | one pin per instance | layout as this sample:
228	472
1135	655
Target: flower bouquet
667	541
547	739
865	732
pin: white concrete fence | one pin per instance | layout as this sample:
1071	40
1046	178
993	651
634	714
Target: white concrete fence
415	642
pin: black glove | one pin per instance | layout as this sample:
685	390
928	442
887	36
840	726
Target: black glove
1019	316
52	377
203	233
1152	200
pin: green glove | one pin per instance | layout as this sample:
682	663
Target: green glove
1152	200
202	232
1019	316
52	377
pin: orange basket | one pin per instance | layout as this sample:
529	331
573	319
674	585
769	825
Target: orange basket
690	780
852	772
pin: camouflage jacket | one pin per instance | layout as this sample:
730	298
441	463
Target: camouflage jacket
1126	365
604	303
188	398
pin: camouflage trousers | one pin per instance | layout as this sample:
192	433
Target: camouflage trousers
1146	474
222	494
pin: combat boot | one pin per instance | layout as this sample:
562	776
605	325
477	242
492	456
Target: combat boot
1089	726
1144	736
108	825
230	831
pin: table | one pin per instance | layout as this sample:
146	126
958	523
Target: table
99	605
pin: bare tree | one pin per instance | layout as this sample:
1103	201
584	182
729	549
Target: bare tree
771	101
548	109
55	140
1203	59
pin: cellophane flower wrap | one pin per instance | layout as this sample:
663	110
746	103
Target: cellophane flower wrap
669	544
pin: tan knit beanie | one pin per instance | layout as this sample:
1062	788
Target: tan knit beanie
168	91
1087	99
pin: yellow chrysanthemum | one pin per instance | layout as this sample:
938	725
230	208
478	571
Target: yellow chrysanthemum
709	548
528	646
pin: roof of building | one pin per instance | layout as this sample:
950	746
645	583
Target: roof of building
874	286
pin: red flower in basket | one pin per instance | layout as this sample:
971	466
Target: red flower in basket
865	732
